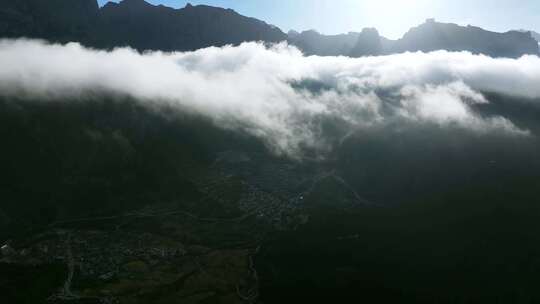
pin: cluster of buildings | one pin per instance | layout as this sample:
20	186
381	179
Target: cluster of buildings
272	192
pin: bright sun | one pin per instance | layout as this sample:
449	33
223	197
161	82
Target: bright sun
392	17
394	7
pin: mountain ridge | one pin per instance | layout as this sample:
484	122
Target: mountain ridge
427	37
134	23
144	26
433	35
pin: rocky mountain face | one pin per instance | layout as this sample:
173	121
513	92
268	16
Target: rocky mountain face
133	23
369	43
427	37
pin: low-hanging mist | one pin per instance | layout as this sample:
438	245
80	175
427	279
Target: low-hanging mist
277	94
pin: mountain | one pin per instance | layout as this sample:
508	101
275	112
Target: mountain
536	36
133	23
354	44
429	36
144	26
58	20
432	36
154	206
369	43
313	43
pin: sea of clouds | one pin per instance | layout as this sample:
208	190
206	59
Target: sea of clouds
276	93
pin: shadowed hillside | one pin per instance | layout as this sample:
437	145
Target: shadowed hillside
133	23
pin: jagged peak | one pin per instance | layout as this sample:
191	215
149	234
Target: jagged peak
202	7
293	33
137	3
133	1
370	30
110	4
311	31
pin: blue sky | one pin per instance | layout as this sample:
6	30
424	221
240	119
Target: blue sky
391	17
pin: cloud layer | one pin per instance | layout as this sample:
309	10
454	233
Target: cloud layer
277	94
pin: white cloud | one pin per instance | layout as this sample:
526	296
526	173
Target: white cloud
276	93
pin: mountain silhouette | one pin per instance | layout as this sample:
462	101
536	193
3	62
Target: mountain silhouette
55	20
133	23
432	36
143	26
369	43
427	37
313	43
